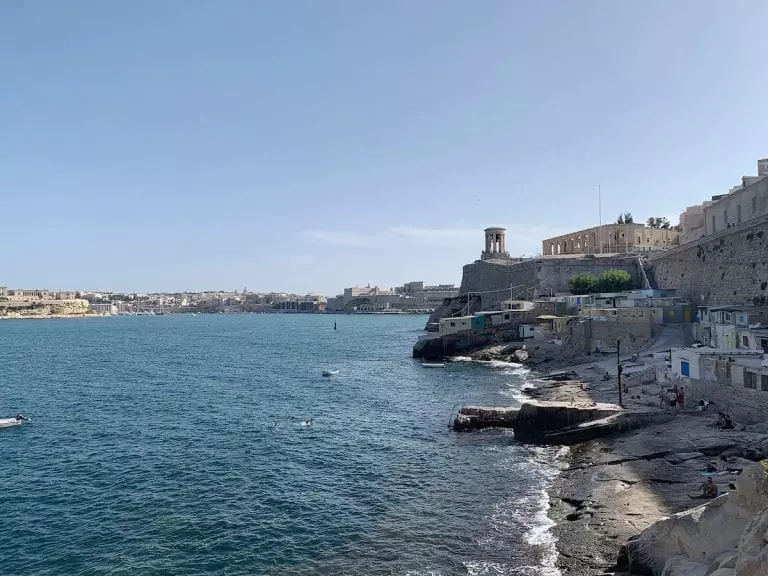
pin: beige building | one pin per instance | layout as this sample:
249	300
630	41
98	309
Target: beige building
17	294
611	239
742	204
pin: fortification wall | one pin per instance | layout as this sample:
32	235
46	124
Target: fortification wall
496	281
727	268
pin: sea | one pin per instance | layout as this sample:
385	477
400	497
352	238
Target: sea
175	445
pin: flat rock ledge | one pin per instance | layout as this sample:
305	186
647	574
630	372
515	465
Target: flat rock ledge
562	423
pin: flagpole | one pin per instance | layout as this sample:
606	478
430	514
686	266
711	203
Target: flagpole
600	217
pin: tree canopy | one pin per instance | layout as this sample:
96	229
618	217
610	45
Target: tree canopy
659	222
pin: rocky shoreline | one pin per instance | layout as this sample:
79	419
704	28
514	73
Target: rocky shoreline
613	488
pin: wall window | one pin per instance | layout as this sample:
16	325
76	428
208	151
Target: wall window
745	341
764	382
685	368
738	214
764	344
750	380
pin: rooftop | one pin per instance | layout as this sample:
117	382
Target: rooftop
721	351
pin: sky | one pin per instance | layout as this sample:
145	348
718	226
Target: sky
307	146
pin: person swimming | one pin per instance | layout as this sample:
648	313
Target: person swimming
308	422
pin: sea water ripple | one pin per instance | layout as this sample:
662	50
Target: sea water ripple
171	445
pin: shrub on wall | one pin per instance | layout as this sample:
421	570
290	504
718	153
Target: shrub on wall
608	281
582	284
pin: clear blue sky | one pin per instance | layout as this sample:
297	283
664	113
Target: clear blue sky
311	145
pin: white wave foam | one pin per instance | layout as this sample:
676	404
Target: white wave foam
481	568
528	514
460	359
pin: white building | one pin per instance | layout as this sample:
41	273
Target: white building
744	368
721	326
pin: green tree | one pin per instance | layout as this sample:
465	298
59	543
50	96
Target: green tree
614	281
658	222
621	219
582	284
628	219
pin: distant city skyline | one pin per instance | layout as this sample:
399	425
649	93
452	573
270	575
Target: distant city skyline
310	146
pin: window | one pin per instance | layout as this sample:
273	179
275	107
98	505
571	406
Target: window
738	214
685	368
714	226
750	380
745	341
453	324
764	344
764	382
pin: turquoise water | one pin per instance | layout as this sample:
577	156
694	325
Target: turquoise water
166	445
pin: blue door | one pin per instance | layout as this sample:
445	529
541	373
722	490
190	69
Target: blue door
685	368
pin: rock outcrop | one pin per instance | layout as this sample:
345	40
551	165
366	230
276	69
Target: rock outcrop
479	417
434	347
572	423
727	536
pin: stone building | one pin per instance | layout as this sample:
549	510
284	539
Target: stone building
18	294
693	224
744	203
611	239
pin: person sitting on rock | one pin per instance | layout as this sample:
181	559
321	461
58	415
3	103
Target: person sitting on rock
724	421
722	464
708	489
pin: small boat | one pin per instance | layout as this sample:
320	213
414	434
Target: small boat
12	422
433	364
329	373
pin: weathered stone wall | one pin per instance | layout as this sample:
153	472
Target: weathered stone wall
744	405
497	280
587	335
727	268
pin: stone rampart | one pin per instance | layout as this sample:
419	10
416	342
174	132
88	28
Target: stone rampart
727	268
497	280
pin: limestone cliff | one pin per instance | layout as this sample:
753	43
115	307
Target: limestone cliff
43	309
